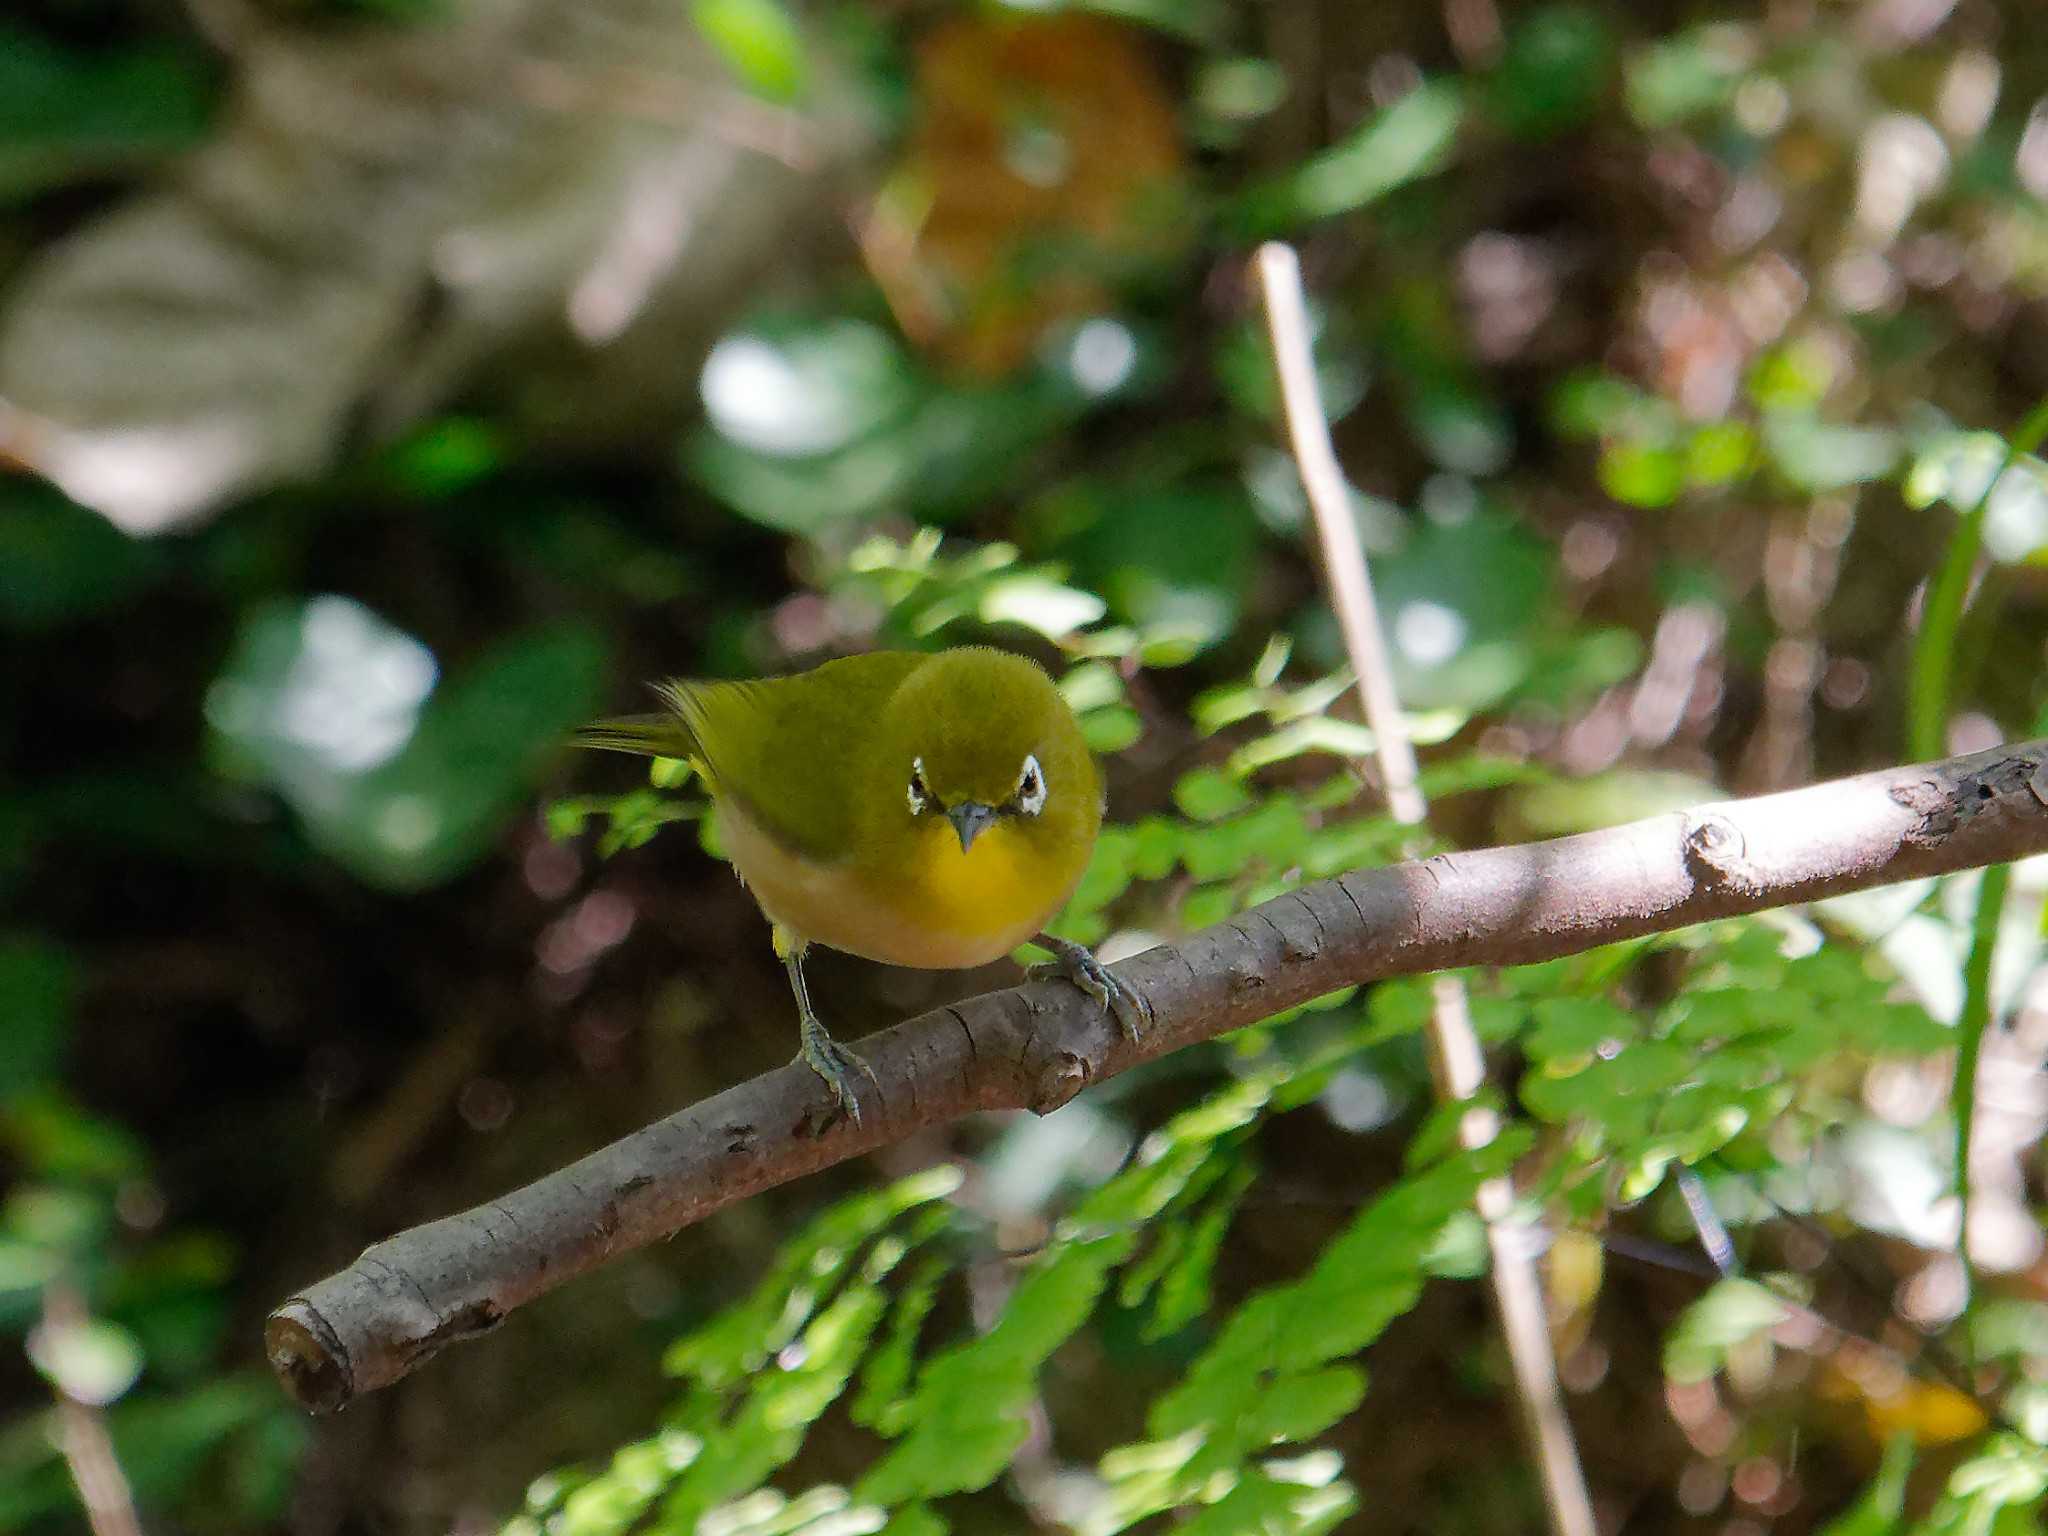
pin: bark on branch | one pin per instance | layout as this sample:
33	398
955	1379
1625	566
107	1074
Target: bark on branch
1036	1046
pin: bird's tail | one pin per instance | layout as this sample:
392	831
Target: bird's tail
645	735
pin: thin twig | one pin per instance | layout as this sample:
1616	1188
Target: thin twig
1036	1046
82	1438
1459	1065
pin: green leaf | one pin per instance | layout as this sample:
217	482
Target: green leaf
1818	456
812	422
1731	1312
37	984
1883	1505
67	115
1272	1507
1956	467
60	563
1187	1254
913	1520
1574	1027
1268	1370
1208	794
1605	800
735	1344
1109	731
1689	75
759	42
1553	71
58	1140
1595	403
743	1448
1180	559
885	1378
1037	603
1305	1404
1642	474
1720	453
1462	603
1406	141
1299	738
967	1414
402	779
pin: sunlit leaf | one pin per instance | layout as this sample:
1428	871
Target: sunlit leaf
1410	139
1687	75
1733	1311
1642	474
1175	557
403	779
759	41
1818	456
91	1360
966	1416
1461	602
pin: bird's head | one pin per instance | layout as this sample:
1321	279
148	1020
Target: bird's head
978	740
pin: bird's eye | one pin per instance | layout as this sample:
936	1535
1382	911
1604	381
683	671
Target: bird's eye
920	795
1031	788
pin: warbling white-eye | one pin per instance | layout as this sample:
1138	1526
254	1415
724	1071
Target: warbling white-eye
923	809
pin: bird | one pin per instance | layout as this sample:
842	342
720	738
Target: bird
921	808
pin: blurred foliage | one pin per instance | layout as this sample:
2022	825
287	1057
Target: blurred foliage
386	384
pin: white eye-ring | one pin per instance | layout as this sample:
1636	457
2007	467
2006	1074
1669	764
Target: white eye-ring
919	795
1031	788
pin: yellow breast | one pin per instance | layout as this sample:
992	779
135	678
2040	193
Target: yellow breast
998	886
944	910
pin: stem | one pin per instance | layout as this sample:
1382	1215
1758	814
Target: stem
1926	728
1934	650
1970	1027
1457	1062
83	1441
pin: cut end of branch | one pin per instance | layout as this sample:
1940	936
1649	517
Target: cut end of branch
307	1358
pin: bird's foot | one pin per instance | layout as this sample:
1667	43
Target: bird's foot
1076	964
835	1064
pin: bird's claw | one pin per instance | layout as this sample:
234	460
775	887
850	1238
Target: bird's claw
1073	962
835	1064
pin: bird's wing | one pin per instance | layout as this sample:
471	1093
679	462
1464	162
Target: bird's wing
787	748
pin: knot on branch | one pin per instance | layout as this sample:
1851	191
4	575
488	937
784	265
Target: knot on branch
1717	854
1063	1077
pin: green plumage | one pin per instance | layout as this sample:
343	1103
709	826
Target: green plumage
782	747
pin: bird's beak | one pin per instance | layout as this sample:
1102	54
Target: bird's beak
970	819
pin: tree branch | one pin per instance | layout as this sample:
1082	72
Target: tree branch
1036	1046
